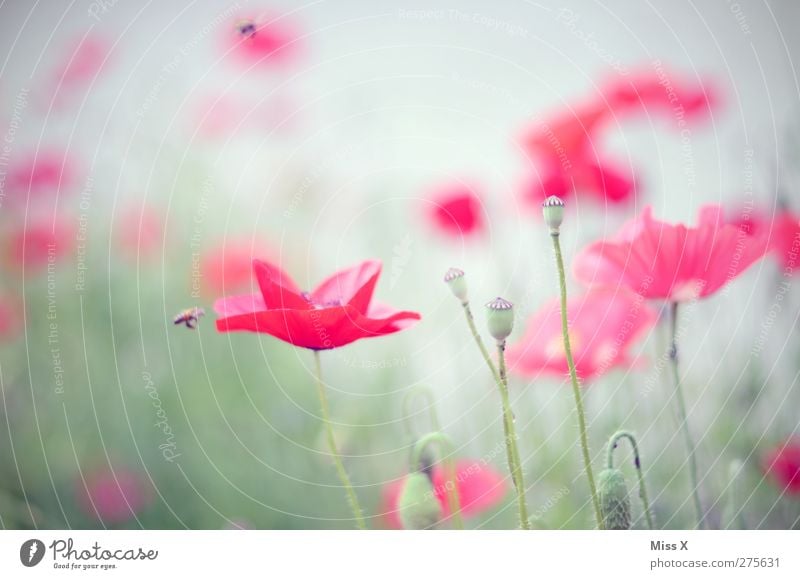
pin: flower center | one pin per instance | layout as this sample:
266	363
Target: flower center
320	305
688	290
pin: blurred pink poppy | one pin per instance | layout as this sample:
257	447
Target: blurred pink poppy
229	267
10	318
268	41
78	68
480	488
37	244
568	152
141	231
603	325
672	262
456	211
783	230
782	465
113	495
41	174
217	117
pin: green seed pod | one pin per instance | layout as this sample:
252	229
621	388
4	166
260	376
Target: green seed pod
553	210
615	505
500	318
455	280
419	508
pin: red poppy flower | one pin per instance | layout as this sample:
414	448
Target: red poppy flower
782	464
113	495
456	211
480	488
672	262
568	152
603	325
39	243
272	42
783	231
339	311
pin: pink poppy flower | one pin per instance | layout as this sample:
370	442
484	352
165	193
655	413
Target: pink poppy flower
782	465
480	488
266	42
140	231
457	212
337	312
41	174
80	65
603	325
113	495
783	231
568	149
671	262
33	246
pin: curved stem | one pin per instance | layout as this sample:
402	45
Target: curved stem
576	390
451	486
511	439
509	430
337	459
612	444
684	421
479	341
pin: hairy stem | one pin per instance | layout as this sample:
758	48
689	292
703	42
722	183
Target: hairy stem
337	459
612	444
576	390
683	418
509	429
515	464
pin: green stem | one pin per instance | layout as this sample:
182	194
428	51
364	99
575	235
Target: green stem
509	429
451	486
511	438
576	390
479	341
337	459
612	444
683	417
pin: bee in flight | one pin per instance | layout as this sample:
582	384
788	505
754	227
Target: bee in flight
190	317
246	28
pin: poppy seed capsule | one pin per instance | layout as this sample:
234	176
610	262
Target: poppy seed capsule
419	508
455	280
615	505
500	318
553	210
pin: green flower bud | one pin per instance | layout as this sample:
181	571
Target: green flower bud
457	283
615	505
500	318
553	210
419	508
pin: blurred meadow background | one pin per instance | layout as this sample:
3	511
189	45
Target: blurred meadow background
147	157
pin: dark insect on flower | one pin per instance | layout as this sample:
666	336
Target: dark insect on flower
190	317
246	28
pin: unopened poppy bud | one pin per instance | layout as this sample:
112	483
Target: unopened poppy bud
615	505
553	210
419	508
455	280
500	318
